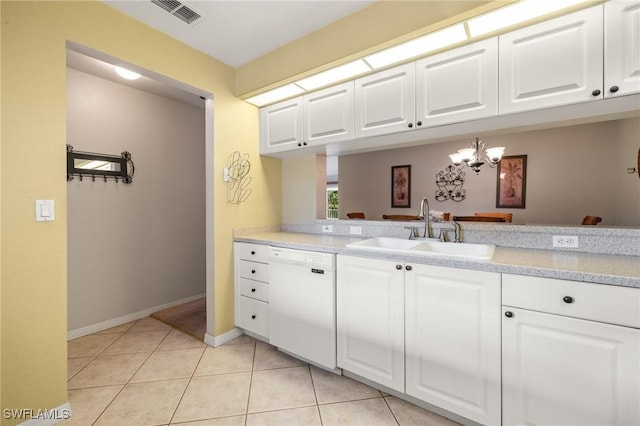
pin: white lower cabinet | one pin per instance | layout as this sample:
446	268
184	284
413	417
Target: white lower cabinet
251	288
370	319
559	370
428	331
452	331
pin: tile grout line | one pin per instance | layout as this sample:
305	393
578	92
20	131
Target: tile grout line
315	394
175	410
253	364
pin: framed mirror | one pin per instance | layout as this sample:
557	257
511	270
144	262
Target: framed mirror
89	164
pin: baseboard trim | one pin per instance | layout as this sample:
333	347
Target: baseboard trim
104	325
222	338
49	417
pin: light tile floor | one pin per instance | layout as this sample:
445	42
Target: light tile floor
147	373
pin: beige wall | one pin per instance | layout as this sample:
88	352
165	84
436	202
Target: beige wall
572	172
34	119
133	247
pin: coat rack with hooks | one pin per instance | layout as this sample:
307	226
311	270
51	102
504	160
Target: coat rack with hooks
91	165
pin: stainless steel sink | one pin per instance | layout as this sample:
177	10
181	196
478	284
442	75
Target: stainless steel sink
426	247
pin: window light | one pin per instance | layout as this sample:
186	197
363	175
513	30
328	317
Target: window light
418	46
275	95
332	75
514	14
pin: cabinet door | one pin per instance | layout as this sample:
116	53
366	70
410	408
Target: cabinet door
370	317
622	47
385	101
565	371
458	85
556	62
328	115
281	126
453	340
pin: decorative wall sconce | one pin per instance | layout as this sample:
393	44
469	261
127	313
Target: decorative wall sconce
450	181
477	154
237	177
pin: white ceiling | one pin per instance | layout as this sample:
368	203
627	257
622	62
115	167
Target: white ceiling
239	31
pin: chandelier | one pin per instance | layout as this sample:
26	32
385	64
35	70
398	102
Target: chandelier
478	154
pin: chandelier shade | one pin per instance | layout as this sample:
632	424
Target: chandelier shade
477	154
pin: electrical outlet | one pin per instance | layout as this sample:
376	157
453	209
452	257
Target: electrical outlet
355	230
327	228
563	241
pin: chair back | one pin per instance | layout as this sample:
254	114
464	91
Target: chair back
399	217
591	220
355	215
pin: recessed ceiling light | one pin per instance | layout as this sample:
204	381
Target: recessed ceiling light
514	14
418	46
126	74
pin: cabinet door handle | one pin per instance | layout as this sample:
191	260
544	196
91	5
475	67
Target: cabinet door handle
299	144
567	299
408	267
398	267
253	290
508	314
253	317
410	125
614	89
596	92
253	271
419	123
304	143
253	252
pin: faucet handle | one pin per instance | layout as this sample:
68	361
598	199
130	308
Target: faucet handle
414	231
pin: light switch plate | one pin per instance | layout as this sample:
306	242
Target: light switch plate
45	211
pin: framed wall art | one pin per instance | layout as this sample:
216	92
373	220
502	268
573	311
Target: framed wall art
401	186
512	182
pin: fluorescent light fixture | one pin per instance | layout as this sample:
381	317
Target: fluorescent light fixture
418	46
332	75
514	14
126	74
274	95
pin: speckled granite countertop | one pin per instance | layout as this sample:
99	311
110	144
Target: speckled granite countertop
586	267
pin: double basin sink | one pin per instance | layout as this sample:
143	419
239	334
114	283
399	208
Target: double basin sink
426	247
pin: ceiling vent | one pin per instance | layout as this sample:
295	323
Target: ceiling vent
180	10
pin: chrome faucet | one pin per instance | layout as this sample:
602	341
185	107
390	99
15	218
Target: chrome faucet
427	218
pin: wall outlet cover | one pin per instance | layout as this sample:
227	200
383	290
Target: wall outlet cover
565	241
355	230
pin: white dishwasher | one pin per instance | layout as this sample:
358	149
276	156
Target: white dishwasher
302	304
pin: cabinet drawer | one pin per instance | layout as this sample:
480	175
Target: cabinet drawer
597	302
254	316
254	271
253	252
254	289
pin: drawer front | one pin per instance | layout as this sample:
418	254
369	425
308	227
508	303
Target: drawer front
596	302
254	316
254	271
253	252
254	289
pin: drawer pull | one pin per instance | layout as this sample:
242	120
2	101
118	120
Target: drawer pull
253	317
253	290
408	267
398	267
508	314
253	252
253	271
567	299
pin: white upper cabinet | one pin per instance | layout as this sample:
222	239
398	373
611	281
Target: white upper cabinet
458	85
328	115
622	47
556	62
385	102
281	126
